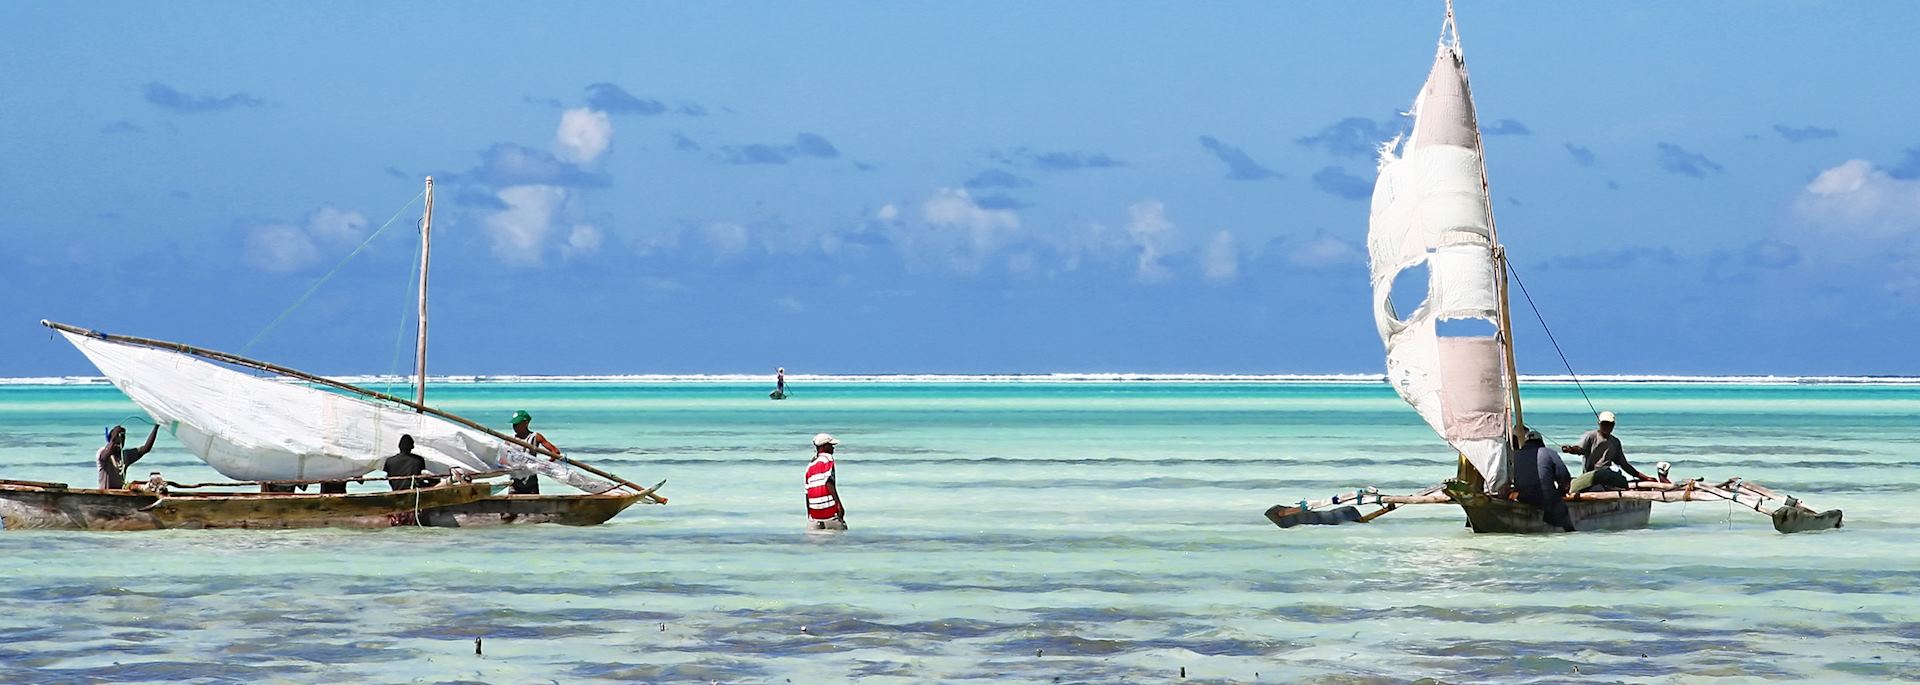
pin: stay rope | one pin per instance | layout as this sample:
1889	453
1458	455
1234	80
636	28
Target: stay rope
400	333
1550	338
329	275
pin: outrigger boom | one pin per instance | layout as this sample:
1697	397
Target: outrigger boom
1789	514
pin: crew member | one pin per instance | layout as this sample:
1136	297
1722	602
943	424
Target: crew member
1540	478
406	463
114	458
529	484
824	508
1601	451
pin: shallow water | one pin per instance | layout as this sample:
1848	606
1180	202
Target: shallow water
1010	532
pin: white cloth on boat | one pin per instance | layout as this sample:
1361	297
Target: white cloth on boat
1430	208
256	428
523	463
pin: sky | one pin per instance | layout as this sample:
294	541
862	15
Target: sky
996	187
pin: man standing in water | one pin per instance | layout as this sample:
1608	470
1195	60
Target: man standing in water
522	429
1601	451
115	457
780	381
824	510
1540	478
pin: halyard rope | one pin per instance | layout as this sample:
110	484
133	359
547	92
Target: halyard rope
1550	338
323	279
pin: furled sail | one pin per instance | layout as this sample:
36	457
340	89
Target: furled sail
253	428
1430	209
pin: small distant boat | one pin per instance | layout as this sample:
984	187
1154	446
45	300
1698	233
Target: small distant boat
267	430
777	395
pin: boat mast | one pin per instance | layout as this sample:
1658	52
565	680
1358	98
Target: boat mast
420	344
1514	436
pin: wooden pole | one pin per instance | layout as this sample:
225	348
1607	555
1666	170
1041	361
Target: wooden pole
420	343
238	360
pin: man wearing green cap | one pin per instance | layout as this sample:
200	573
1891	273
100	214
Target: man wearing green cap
529	484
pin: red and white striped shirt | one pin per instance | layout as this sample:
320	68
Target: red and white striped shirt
822	503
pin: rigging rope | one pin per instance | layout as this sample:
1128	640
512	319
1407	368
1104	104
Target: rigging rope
400	335
323	279
1550	338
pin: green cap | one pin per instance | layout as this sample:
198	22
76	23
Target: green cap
520	417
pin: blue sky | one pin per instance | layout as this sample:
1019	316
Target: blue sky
965	187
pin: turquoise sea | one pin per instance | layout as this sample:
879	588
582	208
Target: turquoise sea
1026	532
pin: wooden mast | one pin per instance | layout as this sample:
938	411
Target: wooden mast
420	343
237	360
1514	435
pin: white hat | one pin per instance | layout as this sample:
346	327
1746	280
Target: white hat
1607	417
824	439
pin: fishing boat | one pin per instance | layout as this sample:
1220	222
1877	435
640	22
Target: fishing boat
1450	355
287	428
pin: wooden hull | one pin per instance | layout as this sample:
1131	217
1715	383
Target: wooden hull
277	510
1488	515
26	505
566	510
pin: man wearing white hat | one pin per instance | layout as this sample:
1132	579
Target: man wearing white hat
1602	451
824	509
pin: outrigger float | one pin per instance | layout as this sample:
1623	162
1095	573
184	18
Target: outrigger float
1431	211
297	429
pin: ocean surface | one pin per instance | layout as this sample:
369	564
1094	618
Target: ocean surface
1007	531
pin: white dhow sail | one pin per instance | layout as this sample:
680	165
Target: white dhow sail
1430	209
253	428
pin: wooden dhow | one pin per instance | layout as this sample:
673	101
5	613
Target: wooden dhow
1431	212
294	427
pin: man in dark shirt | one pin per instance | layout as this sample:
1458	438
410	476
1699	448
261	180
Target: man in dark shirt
115	457
1601	451
1540	478
406	463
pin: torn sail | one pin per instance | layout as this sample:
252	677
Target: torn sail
1430	209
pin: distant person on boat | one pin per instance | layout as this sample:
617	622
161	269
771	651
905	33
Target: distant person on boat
1602	451
1540	478
406	463
824	509
114	458
529	484
779	384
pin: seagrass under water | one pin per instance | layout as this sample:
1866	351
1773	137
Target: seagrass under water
1091	532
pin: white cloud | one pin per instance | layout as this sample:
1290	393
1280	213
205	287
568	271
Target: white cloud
985	228
790	304
1859	200
726	239
279	248
887	212
337	226
1325	252
519	232
1154	235
584	135
584	240
1220	261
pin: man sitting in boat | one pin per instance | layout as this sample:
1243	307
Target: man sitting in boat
115	457
1601	451
529	484
824	511
406	463
1540	478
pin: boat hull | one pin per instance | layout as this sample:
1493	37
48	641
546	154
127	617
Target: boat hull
566	510
279	510
1488	515
28	505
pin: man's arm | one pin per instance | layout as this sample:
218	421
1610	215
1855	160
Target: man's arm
1580	449
1627	467
538	440
833	486
143	449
